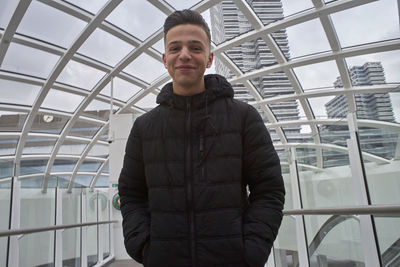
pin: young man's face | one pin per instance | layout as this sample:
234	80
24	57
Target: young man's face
187	55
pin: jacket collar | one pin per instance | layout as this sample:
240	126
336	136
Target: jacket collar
216	87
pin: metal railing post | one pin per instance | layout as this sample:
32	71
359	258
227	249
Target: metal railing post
367	227
302	245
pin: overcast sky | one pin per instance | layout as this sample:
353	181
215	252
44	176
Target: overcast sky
373	22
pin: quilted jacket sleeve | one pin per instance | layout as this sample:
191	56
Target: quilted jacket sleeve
262	171
134	197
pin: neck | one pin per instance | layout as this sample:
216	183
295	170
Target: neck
189	90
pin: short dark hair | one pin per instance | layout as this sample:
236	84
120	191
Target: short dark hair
186	16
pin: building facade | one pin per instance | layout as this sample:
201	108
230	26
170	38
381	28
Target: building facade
228	22
369	106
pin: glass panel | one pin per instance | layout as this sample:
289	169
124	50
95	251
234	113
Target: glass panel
104	215
383	178
72	148
11	121
7	8
307	38
90	5
7	146
71	213
63	101
36	249
324	187
99	109
5	202
123	90
160	45
37	210
182	4
91	216
39	145
80	75
102	46
83	180
334	240
48	123
102	181
56	27
33	166
87	129
389	239
318	75
133	17
145	68
286	252
148	102
63	165
18	93
388	60
318	106
30	61
290	7
89	166
6	168
366	24
227	22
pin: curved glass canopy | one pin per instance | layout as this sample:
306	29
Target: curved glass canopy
66	65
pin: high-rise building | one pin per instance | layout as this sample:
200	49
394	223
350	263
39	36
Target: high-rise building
227	22
369	106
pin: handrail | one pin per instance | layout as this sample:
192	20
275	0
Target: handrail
49	228
382	210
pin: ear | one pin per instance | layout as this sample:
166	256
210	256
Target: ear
210	60
164	59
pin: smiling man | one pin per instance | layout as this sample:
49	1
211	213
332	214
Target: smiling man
190	163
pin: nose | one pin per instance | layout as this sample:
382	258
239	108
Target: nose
185	54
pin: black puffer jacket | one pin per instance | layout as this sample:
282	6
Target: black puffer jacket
183	183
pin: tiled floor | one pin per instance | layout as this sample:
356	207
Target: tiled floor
124	263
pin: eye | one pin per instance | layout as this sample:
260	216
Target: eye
174	48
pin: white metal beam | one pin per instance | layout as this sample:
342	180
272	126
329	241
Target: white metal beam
12	27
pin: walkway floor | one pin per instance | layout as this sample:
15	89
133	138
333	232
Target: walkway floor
124	263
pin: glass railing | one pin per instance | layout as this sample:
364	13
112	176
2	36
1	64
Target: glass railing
53	228
334	237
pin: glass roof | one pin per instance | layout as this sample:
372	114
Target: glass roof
299	62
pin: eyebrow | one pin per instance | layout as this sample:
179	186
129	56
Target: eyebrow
191	42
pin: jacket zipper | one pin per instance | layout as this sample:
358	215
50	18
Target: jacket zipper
201	149
188	170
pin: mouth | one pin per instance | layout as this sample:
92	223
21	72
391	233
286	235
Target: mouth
185	68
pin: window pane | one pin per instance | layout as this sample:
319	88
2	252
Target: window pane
364	24
133	17
48	123
290	7
102	46
317	75
7	8
80	75
63	101
90	5
8	145
307	38
56	27
18	93
123	90
145	68
39	145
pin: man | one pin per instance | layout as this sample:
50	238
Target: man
188	162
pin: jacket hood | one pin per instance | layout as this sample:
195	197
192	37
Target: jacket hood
216	86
